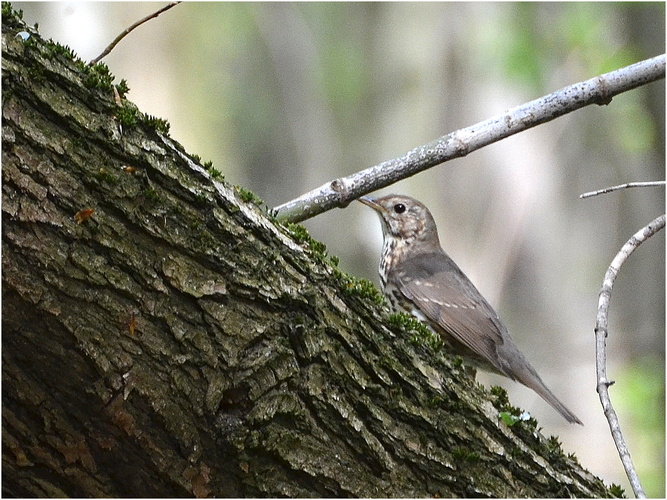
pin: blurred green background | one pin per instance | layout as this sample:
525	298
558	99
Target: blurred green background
284	97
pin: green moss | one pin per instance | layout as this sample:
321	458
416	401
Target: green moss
215	173
56	49
97	76
501	400
616	491
402	320
205	238
435	401
128	116
298	232
9	12
105	176
554	446
550	448
319	252
574	458
420	334
201	199
318	248
152	195
463	455
509	414
35	72
81	66
509	418
154	123
517	453
248	196
122	87
364	289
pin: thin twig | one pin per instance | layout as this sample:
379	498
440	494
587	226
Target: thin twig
622	186
598	90
601	332
124	33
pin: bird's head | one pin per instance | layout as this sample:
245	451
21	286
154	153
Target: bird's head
404	219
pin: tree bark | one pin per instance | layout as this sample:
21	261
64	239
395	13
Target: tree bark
175	341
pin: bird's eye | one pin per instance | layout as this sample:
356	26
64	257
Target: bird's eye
399	208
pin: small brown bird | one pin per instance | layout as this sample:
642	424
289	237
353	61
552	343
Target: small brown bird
420	278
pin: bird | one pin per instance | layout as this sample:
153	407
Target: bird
418	277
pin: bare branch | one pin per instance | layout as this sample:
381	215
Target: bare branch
111	46
601	332
622	186
598	90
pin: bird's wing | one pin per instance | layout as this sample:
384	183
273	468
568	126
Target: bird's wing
442	293
440	290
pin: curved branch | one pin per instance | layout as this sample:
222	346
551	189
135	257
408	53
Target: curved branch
601	332
598	90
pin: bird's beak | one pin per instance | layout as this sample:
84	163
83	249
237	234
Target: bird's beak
370	202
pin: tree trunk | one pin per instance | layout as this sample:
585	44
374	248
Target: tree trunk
163	337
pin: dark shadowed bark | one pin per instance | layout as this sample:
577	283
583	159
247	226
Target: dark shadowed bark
163	337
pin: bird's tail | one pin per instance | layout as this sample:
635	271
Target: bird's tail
529	377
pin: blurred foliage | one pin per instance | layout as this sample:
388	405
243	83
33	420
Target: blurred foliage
641	396
537	38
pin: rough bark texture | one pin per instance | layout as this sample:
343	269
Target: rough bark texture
175	342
